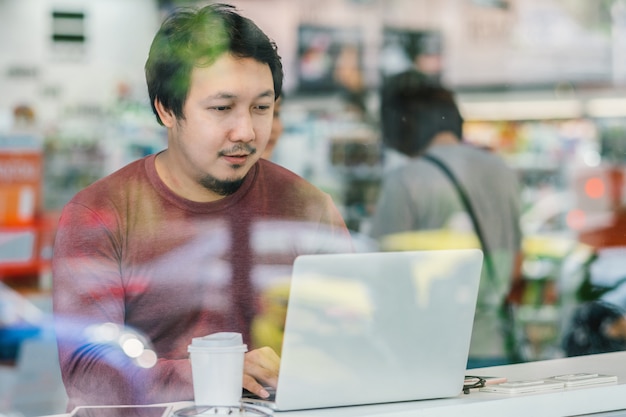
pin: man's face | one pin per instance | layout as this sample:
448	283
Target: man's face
227	124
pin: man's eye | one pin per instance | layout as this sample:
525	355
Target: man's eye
221	108
263	107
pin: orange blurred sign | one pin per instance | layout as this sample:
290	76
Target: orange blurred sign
21	171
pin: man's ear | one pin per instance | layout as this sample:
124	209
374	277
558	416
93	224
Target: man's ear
166	115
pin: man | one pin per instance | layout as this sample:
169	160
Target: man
179	244
419	118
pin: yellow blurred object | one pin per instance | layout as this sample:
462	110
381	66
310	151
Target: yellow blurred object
341	295
430	240
267	328
548	246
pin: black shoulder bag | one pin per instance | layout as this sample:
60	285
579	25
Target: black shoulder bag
506	310
470	210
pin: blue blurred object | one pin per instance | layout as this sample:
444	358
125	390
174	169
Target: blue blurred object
12	336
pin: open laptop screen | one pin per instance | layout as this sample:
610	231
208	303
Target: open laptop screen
377	327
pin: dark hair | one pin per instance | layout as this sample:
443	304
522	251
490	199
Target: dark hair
414	110
191	38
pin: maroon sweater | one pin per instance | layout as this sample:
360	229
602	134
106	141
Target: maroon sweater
131	252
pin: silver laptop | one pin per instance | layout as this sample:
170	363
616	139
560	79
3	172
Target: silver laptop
372	328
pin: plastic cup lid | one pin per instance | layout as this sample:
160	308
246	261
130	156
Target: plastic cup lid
222	340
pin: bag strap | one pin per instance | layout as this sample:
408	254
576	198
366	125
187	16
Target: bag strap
470	210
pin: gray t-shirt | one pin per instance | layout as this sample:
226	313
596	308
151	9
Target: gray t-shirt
418	196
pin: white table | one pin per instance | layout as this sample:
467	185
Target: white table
569	402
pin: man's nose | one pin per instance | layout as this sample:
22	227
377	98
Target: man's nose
243	128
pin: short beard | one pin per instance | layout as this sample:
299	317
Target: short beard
221	187
225	187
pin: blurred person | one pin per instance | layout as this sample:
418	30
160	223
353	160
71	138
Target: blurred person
348	75
420	118
277	130
176	245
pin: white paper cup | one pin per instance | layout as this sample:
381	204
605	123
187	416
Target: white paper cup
217	368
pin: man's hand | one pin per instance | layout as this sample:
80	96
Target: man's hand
260	369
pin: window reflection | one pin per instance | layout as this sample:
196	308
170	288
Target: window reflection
539	83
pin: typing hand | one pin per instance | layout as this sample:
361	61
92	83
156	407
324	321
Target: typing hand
260	369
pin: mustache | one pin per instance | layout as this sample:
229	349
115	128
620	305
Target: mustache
237	149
